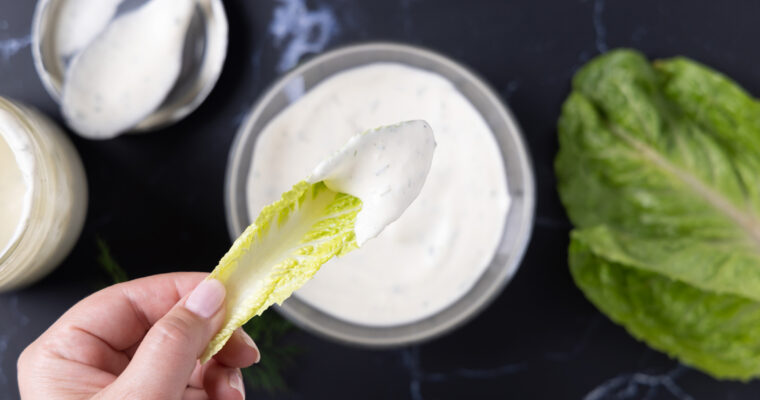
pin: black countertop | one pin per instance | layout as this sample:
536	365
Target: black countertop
156	199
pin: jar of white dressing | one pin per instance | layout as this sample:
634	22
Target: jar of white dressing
43	195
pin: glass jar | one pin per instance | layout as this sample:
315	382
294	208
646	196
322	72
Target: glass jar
49	216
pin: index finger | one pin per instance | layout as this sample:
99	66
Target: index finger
121	314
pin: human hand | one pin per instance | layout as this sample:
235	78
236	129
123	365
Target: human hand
139	340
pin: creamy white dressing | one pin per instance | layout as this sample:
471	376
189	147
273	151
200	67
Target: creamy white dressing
16	168
79	22
435	252
48	204
385	168
127	70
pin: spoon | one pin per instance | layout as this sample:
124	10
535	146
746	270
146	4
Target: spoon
127	70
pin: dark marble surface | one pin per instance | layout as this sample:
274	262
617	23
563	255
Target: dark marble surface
157	199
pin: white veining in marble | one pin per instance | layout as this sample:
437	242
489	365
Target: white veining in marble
11	325
622	384
10	46
512	87
580	344
300	31
599	29
639	33
583	57
417	375
406	15
640	385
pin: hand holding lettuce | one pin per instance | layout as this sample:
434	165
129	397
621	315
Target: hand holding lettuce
659	170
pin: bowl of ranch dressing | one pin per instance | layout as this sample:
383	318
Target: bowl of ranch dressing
455	247
116	66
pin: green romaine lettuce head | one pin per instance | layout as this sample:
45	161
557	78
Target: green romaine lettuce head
659	171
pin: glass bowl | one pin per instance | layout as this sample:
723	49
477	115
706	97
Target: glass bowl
521	186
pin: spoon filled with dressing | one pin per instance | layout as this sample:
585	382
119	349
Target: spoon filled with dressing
126	65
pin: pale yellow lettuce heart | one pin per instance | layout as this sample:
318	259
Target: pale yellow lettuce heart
290	239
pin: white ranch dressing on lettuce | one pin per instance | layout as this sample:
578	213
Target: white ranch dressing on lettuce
436	251
385	168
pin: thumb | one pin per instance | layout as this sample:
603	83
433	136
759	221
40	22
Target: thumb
164	361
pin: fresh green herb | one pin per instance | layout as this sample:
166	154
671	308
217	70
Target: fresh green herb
268	331
108	265
659	170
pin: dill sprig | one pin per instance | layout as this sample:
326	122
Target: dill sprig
268	331
108	264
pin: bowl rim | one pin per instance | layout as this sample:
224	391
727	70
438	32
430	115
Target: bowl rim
293	308
161	117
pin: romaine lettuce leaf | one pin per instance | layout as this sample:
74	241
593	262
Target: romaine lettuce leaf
290	239
716	333
658	170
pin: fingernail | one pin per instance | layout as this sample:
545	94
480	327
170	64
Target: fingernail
247	339
236	382
206	298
